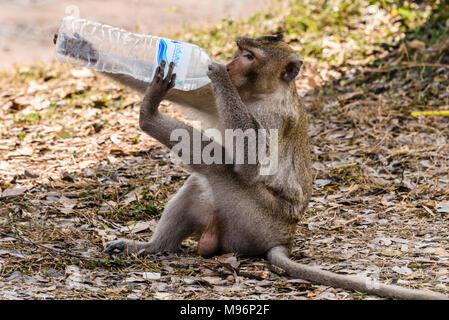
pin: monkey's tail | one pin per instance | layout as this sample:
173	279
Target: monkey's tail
279	256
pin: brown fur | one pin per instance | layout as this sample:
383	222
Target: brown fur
235	208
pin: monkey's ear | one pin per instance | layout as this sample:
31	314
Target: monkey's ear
291	70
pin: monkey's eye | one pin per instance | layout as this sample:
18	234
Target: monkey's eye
249	55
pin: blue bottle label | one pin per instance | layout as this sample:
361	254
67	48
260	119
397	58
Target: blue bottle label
179	53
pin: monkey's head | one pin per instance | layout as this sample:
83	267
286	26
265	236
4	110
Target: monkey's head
263	64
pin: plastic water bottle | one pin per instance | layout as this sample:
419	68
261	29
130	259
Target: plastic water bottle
104	48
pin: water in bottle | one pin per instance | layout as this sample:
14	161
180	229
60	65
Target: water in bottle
104	48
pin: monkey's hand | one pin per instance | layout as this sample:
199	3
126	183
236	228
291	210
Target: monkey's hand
230	106
158	88
217	73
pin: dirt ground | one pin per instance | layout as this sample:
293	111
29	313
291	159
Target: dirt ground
27	27
79	172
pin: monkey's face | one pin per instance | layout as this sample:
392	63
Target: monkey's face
263	64
244	62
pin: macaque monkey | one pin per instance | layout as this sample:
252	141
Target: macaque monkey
231	205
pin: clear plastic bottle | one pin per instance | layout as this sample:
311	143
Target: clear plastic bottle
104	48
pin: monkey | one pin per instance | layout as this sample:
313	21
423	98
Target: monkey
230	204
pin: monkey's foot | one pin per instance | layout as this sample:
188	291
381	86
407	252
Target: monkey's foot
125	247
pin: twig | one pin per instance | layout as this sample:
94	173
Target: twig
446	263
27	241
406	66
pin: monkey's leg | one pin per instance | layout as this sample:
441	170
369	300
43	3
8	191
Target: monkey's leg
188	212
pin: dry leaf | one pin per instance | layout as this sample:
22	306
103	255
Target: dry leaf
402	270
442	207
441	252
135	195
415	45
137	227
12	192
390	253
213	281
151	275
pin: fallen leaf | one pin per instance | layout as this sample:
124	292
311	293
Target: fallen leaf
67	202
134	279
229	261
402	270
136	227
390	253
441	252
416	44
256	274
232	261
161	295
213	280
115	138
30	175
25	151
322	182
443	207
82	73
135	195
12	192
151	275
20	103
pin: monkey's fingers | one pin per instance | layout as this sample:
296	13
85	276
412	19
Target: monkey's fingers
156	75
121	247
170	70
172	81
162	68
161	71
110	247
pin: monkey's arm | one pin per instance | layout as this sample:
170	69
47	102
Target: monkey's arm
133	83
201	99
235	115
230	106
162	127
